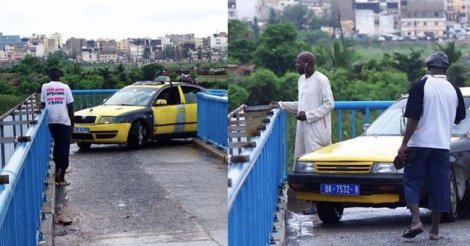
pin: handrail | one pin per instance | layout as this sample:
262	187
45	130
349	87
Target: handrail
21	199
354	106
211	112
255	176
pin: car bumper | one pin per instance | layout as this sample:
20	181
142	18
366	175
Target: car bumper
374	189
102	133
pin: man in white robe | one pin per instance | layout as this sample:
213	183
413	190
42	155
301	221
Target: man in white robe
313	107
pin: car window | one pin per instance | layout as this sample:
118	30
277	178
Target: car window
132	96
190	93
171	95
392	122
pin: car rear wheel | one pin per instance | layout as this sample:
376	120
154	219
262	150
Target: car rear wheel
454	201
137	135
330	212
84	146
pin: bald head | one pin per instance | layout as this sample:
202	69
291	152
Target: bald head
305	63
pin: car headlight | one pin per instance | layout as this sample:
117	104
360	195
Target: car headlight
109	120
385	167
304	167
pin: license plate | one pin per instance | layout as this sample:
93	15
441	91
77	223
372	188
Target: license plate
340	189
81	130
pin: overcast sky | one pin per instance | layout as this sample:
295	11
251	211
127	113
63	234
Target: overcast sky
117	19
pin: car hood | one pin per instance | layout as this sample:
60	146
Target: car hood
363	148
108	110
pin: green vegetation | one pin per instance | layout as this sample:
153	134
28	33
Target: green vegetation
26	77
8	101
358	69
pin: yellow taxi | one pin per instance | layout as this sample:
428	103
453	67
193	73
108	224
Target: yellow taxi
360	173
139	112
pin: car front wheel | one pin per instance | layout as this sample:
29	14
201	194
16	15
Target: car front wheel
330	212
454	201
137	135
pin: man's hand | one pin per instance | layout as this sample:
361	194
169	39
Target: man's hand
402	151
301	116
274	104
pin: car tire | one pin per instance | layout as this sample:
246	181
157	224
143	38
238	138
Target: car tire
330	212
137	135
453	214
84	146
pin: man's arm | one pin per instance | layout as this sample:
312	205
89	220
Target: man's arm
70	113
411	126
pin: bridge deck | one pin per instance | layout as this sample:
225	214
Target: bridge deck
170	193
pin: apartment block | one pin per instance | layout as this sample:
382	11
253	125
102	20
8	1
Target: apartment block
423	18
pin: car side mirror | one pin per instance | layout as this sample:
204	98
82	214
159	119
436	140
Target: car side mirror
161	102
104	100
365	127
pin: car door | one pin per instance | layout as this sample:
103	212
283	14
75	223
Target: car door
169	118
190	105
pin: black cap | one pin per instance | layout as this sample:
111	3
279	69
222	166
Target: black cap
438	59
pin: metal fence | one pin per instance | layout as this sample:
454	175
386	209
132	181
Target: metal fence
256	174
90	98
258	166
212	110
14	123
360	112
22	192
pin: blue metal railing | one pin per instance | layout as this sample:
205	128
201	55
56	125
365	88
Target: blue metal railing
21	200
364	107
212	110
90	98
254	186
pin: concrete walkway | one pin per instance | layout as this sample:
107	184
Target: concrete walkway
164	194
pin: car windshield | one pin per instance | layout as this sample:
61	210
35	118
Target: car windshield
132	96
392	122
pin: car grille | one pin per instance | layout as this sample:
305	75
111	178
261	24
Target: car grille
343	167
105	134
82	136
87	119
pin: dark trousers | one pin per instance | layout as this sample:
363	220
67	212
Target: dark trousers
62	135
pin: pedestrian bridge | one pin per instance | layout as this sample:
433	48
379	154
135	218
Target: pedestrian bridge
258	165
25	153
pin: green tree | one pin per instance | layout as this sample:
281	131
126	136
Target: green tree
297	14
237	95
288	86
241	43
151	71
412	64
146	54
277	49
453	54
457	74
169	52
274	17
263	86
341	56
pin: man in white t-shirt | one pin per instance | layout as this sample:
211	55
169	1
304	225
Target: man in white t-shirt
434	106
56	98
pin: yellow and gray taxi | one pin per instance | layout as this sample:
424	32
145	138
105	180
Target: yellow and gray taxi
360	173
139	112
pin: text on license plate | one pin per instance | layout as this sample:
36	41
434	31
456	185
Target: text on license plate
340	189
81	129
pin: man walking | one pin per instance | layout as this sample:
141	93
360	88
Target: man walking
57	99
313	107
433	106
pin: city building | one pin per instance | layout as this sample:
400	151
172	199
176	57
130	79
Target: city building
9	40
423	18
218	41
58	41
89	55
